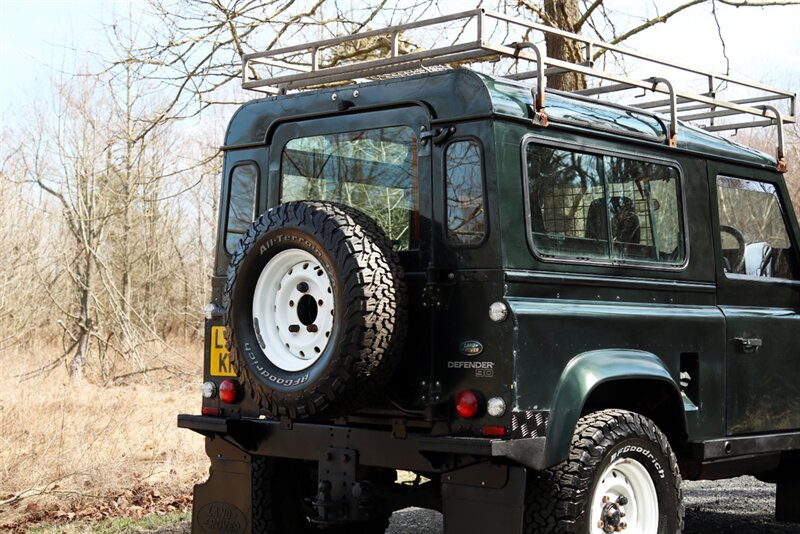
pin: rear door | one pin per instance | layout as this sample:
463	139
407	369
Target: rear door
377	163
759	293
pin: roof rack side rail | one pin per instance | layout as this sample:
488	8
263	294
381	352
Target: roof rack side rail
316	64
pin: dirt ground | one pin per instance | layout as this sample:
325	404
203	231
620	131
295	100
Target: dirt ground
86	451
108	457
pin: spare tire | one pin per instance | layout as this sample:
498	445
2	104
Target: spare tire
315	307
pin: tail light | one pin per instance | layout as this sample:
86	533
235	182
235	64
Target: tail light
467	404
493	431
228	391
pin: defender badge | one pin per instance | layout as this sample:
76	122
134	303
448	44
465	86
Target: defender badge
471	348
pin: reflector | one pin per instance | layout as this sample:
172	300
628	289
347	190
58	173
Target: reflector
497	431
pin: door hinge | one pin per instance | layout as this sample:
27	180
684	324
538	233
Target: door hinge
438	285
436	136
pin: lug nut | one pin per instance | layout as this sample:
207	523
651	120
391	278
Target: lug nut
302	287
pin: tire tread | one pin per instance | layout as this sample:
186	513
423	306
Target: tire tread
556	497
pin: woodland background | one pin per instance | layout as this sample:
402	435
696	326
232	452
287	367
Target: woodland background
110	191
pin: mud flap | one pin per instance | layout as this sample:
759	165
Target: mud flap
222	504
478	503
787	498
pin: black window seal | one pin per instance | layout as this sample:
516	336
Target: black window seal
445	226
242	163
530	138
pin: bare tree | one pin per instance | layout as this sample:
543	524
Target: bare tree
122	202
66	159
197	50
793	176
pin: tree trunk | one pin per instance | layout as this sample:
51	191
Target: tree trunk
84	320
564	14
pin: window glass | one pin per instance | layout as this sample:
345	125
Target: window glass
374	171
241	204
755	241
603	208
466	220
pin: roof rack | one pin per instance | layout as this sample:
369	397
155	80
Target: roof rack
327	62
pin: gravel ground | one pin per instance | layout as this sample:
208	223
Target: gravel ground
737	506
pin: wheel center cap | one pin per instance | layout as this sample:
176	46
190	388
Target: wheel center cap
612	514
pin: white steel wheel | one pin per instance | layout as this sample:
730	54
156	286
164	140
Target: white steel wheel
293	310
625	499
315	310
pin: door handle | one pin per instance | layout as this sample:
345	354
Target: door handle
748	345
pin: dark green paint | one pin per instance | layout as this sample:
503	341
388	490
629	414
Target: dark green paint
458	94
572	327
582	375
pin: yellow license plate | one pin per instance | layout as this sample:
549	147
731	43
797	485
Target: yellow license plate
220	361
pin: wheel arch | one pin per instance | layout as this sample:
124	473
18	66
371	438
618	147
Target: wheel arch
592	380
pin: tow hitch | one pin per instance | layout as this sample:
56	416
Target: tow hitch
340	497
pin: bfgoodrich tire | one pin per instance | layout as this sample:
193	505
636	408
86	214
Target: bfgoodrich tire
314	309
621	474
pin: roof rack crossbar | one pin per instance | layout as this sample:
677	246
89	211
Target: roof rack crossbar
655	104
634	83
310	65
527	75
635	54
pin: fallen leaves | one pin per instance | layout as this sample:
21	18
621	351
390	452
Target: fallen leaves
135	503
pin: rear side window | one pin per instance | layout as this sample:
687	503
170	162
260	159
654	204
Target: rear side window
241	203
601	208
373	170
755	241
466	217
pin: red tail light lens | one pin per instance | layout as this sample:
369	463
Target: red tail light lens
467	404
228	391
493	431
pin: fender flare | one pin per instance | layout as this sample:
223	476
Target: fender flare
582	375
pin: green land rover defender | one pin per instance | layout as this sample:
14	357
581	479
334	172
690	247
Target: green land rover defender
534	311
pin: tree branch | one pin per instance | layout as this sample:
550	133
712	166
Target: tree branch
650	23
586	15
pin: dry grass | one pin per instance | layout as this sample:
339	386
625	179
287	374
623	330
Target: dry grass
71	451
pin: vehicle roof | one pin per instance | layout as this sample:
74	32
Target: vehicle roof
461	93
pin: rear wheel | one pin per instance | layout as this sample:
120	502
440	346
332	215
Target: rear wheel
621	476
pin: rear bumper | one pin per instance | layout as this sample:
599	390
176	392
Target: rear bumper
376	447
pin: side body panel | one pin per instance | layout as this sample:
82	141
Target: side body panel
562	310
